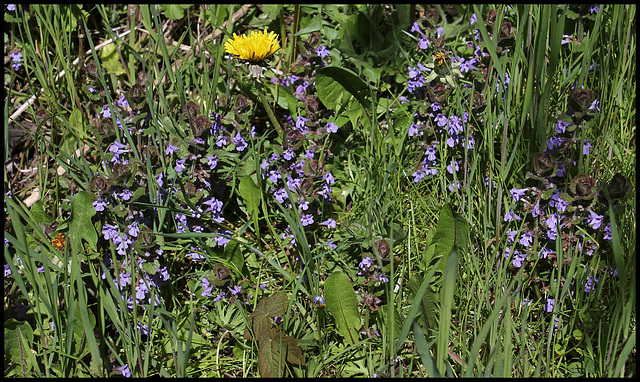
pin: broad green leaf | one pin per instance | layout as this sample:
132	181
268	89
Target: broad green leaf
111	60
341	301
452	231
233	255
336	86
174	11
18	337
81	226
314	25
251	195
37	210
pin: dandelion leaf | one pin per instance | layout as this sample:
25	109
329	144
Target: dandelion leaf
81	227
341	301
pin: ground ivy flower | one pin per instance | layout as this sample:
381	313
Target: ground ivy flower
329	223
16	57
594	220
180	165
125	370
254	47
171	149
322	51
306	220
207	288
319	301
99	205
331	127
235	290
548	306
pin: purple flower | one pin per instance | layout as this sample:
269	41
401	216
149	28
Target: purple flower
220	296
516	193
509	216
418	175
423	42
212	161
125	370
585	147
329	223
126	194
235	290
106	111
548	306
416	27
607	232
365	263
518	258
306	220
511	236
16	57
11	7
99	204
331	127
591	282
319	301
594	9
171	149
383	278
526	239
453	167
281	195
467	65
240	143
473	19
206	285
322	51
118	148
328	177
561	126
553	142
180	165
595	220
122	102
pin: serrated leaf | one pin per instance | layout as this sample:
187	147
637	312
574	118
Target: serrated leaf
261	320
81	227
341	301
274	349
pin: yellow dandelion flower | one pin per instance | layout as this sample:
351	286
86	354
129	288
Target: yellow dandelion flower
254	47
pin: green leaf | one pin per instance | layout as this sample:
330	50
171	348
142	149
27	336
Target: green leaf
251	195
314	25
37	210
81	226
18	337
111	60
341	301
174	11
452	231
337	86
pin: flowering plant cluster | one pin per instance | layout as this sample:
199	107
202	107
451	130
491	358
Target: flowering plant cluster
564	208
438	74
